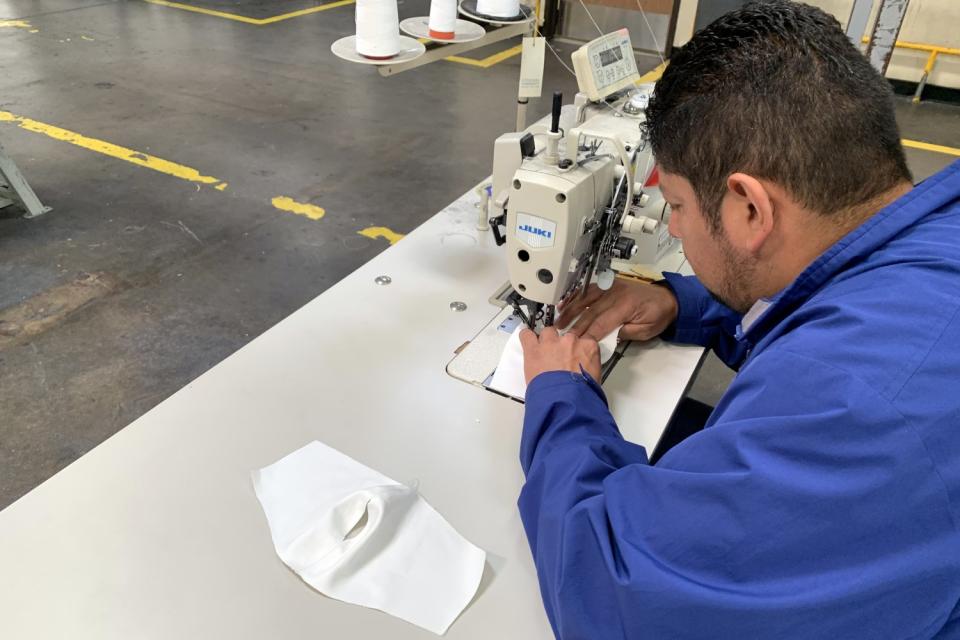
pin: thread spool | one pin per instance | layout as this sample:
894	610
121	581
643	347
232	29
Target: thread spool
378	29
498	8
443	19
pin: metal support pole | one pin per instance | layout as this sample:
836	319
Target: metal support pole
885	33
522	113
859	16
14	188
931	60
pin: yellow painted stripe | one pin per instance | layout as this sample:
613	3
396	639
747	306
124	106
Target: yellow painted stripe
15	24
247	20
115	151
206	12
497	58
467	61
382	232
936	148
489	61
306	12
311	211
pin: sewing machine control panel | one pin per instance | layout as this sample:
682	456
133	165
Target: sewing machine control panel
606	65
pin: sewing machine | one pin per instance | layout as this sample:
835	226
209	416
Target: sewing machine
568	209
570	201
560	210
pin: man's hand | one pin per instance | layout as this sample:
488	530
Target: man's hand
644	310
551	352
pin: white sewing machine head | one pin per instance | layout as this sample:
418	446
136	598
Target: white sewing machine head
574	205
564	207
569	202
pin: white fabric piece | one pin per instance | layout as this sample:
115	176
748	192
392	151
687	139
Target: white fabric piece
443	16
508	377
405	559
378	28
498	8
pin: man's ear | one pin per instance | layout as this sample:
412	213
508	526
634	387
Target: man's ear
748	212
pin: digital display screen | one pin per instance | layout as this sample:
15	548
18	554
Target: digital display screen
610	56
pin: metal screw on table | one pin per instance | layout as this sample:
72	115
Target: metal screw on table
383	280
458	306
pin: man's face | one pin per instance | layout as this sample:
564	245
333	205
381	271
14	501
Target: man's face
726	272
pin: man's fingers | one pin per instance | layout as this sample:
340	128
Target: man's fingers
575	306
578	295
528	339
549	334
590	357
604	325
590	315
599	320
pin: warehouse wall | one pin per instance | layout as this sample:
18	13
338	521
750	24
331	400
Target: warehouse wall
927	21
610	15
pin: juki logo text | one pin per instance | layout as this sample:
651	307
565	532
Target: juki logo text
535	230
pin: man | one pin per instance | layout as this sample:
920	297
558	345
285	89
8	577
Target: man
822	500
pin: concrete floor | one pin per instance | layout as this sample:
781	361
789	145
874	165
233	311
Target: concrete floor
138	281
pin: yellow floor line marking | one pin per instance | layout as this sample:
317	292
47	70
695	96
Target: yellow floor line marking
485	63
311	211
306	12
936	148
16	24
206	12
113	150
489	61
382	232
259	22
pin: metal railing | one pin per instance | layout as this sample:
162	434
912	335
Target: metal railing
934	51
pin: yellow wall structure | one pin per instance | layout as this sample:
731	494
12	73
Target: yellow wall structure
934	22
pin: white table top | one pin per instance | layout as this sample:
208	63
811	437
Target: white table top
157	534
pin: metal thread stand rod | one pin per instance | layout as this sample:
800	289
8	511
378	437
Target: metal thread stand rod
441	51
437	51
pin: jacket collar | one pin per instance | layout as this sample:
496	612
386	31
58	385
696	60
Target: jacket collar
927	197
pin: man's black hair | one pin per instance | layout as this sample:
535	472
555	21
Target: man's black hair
777	90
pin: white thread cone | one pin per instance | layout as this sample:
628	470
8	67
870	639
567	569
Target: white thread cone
378	28
443	18
498	8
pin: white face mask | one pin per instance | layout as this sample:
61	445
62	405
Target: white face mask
358	536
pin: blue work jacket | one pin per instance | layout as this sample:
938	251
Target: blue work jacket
822	500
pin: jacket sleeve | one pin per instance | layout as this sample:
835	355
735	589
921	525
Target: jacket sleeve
703	320
792	516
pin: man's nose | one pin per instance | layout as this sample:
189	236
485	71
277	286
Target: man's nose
672	227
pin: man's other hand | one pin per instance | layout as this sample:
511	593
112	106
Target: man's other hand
552	352
644	310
